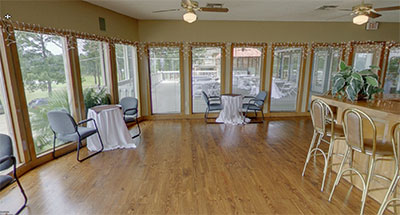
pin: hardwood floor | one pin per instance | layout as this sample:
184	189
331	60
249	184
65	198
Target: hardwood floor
188	167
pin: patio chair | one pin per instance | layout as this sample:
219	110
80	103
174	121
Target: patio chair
213	104
65	129
130	108
255	103
7	159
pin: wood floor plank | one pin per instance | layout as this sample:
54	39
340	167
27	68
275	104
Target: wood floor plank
189	167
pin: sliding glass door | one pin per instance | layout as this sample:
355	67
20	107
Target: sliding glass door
42	60
285	78
392	79
165	80
246	69
206	75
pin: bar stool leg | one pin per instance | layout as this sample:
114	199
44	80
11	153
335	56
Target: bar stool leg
365	191
340	172
309	151
327	163
389	192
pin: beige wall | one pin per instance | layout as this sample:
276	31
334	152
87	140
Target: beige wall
71	14
238	31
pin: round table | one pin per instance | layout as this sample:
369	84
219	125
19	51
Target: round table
232	110
112	129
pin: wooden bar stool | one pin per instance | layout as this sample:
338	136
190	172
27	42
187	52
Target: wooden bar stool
324	125
376	150
395	141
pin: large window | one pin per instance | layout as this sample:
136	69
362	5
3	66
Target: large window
206	75
165	80
325	64
246	68
93	62
42	63
366	55
126	58
285	78
392	79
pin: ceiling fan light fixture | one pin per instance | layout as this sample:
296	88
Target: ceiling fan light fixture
190	17
360	19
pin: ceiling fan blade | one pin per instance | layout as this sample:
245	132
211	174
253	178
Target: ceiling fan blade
387	8
169	10
372	14
214	9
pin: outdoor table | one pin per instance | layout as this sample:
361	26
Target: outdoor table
232	110
112	128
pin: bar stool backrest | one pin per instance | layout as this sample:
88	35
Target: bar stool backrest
319	113
354	129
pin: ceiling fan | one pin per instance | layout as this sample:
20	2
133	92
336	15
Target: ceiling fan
191	7
363	12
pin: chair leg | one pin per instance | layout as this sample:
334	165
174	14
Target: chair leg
20	187
392	186
340	172
365	191
102	148
54	145
309	151
206	115
262	113
137	123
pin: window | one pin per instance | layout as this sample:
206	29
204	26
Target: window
42	63
325	64
285	78
366	55
165	80
93	60
127	72
392	79
206	75
246	68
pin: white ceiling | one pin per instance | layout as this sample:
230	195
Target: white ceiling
251	10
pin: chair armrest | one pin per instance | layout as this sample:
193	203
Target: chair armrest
249	97
7	157
85	121
215	97
255	100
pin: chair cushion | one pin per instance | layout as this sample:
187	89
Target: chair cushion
83	132
5	180
384	148
337	130
251	107
213	107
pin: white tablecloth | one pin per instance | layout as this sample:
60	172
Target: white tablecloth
112	128
232	110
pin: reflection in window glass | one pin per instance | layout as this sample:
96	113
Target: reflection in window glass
247	64
285	78
365	56
126	70
392	80
325	64
206	75
165	80
92	64
43	71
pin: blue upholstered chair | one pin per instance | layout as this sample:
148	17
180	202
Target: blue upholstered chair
130	108
213	104
7	160
255	103
65	129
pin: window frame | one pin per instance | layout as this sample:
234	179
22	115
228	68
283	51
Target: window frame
352	52
387	53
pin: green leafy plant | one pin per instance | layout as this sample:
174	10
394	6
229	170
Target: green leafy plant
355	84
93	97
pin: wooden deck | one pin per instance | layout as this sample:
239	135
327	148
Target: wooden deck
189	167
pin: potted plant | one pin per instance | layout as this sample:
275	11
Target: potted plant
355	85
